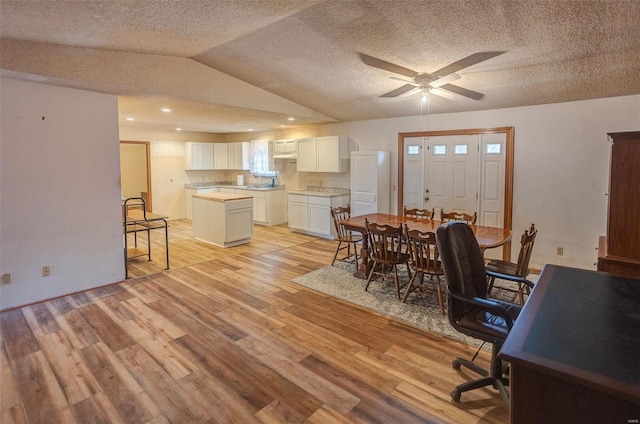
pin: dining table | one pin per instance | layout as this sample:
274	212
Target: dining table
488	237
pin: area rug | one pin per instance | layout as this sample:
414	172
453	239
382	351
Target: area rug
422	311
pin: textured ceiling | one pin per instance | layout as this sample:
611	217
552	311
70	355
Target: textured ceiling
226	66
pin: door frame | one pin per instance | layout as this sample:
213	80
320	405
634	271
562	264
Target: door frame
508	175
147	144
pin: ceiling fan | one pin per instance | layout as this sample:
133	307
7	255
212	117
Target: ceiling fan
435	83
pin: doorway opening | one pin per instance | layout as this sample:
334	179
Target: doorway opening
135	170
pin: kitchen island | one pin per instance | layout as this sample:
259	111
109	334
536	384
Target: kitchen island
223	219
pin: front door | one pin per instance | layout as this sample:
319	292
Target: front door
451	173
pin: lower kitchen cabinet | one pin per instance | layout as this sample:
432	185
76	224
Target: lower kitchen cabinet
269	206
189	192
311	214
223	220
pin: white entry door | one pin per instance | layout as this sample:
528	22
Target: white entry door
451	173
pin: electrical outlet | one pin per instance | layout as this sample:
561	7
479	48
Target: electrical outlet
6	279
559	251
46	271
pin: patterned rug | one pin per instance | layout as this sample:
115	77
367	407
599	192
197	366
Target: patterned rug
422	311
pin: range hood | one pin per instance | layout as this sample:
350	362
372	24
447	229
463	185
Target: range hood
291	156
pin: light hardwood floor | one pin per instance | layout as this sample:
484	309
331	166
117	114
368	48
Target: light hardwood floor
226	337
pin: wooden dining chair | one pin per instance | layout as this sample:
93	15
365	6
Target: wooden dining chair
386	253
424	259
419	213
345	238
514	272
458	216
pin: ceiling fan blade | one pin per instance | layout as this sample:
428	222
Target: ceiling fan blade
415	90
406	81
466	62
387	66
462	91
398	91
445	80
443	93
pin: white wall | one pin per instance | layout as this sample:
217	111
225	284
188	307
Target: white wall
60	191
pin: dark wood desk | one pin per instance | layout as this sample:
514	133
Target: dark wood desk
575	350
488	237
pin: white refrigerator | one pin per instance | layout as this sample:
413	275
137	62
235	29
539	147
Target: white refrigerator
370	182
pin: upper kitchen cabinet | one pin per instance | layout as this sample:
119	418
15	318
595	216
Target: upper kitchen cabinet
198	156
239	155
285	149
220	156
324	154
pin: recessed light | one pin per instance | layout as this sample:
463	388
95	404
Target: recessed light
130	119
178	129
291	118
282	126
166	109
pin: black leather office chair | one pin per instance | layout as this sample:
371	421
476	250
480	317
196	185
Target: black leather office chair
470	312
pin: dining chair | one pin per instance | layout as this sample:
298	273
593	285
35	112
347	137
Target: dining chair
514	272
345	236
424	259
419	213
470	311
458	216
386	253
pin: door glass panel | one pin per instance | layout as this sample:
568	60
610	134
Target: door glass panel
461	149
439	149
493	148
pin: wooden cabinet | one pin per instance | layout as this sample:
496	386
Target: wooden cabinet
324	154
198	156
370	187
619	250
312	214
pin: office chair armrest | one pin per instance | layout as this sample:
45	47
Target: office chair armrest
510	278
488	305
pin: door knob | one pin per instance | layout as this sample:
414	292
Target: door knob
426	190
426	199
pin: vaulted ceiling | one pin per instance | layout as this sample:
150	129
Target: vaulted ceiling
225	66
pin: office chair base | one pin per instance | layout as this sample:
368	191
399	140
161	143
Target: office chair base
496	381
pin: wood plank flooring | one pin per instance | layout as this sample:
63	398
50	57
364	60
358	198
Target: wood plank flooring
226	337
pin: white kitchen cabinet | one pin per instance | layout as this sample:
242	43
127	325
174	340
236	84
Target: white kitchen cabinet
324	154
312	214
220	156
370	182
198	156
189	192
285	149
269	206
222	219
298	212
238	154
227	190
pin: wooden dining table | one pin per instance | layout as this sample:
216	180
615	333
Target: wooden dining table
488	237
